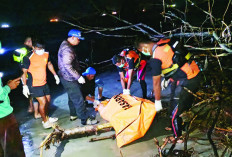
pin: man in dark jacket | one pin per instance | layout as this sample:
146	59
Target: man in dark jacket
70	76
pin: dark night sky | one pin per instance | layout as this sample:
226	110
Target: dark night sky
32	18
25	12
19	12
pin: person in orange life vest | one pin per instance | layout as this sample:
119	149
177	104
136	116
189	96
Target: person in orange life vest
131	62
34	65
163	61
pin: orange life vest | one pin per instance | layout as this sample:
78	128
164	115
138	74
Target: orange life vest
37	68
129	55
164	53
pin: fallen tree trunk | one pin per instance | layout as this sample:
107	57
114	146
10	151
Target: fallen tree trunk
60	134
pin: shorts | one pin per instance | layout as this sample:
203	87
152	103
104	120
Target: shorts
39	91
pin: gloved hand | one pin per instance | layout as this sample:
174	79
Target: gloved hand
57	79
26	91
96	103
81	80
126	91
158	105
164	84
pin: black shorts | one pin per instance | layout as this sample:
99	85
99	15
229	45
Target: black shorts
39	91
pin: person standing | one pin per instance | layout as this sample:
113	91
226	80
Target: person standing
18	56
10	138
131	62
34	65
70	76
171	60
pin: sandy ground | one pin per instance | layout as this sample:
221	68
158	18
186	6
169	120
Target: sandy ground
33	132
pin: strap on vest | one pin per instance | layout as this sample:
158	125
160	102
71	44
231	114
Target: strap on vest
138	62
168	72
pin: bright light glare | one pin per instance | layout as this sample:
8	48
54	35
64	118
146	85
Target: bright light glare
1	74
5	26
103	14
54	20
144	10
171	6
114	12
2	51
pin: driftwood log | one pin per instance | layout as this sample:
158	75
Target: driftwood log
60	134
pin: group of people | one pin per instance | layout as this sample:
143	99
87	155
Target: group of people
34	61
168	59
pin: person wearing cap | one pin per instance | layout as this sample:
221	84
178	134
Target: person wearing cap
131	61
10	138
34	65
88	89
70	76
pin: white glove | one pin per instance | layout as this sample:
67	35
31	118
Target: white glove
158	105
126	91
26	91
96	103
164	84
81	80
57	79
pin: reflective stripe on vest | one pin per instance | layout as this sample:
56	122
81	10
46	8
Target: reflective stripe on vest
22	52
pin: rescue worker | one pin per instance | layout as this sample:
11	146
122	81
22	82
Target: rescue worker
34	65
22	52
70	76
88	89
169	59
128	60
18	57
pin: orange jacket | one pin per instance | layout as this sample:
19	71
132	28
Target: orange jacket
37	68
129	55
164	53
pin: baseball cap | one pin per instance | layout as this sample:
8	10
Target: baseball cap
75	33
89	71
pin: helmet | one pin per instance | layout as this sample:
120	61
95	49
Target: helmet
75	33
124	51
